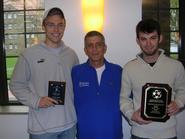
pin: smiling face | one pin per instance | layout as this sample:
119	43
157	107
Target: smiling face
54	27
95	49
149	43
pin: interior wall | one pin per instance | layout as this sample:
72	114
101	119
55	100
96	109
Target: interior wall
13	126
121	17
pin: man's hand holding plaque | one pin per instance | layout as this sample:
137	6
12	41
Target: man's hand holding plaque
56	91
155	99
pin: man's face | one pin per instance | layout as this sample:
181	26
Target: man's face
95	49
54	27
149	42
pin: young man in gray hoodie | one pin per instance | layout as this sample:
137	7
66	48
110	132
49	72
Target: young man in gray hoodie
40	68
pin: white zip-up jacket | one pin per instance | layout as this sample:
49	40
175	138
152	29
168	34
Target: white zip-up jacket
35	67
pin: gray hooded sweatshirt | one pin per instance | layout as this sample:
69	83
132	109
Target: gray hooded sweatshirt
35	67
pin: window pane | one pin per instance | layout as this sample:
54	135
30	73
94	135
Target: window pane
14	22
175	37
34	21
174	20
174	56
174	42
150	4
173	47
164	16
13	5
164	4
10	95
14	44
10	64
174	3
149	14
34	4
33	39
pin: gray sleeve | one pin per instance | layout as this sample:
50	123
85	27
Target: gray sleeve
179	86
76	59
126	103
19	84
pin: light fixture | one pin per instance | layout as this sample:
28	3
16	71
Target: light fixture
93	15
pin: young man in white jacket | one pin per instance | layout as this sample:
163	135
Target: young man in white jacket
151	67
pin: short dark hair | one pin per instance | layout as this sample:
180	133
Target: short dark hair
94	33
148	26
51	12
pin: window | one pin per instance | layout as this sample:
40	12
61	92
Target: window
21	20
169	15
182	31
174	29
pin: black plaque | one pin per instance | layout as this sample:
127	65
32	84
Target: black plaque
56	90
155	99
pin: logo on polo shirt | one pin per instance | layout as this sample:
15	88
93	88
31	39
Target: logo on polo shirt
84	84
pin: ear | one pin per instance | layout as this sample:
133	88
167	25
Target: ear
65	26
137	40
85	50
105	48
43	28
160	38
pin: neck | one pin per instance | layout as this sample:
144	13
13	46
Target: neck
152	58
96	64
51	44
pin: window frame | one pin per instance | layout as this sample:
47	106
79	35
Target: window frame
4	91
182	30
3	82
